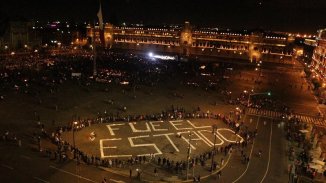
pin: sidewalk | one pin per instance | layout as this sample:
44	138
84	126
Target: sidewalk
290	161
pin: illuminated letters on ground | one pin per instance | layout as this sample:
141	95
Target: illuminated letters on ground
146	133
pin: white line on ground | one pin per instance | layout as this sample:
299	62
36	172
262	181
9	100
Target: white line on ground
169	139
118	181
6	166
25	157
269	154
252	148
263	116
64	171
39	179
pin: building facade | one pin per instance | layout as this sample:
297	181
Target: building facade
319	56
93	35
248	45
318	66
19	35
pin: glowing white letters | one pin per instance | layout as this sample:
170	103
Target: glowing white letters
181	129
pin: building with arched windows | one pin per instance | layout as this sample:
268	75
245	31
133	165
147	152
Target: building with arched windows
254	45
319	56
318	65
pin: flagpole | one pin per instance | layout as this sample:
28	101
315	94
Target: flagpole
101	24
94	52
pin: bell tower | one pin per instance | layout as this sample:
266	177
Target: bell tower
254	48
108	35
186	39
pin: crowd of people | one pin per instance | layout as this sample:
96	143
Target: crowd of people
66	150
300	151
135	71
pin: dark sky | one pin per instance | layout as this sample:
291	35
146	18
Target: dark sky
283	15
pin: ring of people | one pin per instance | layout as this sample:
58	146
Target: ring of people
156	138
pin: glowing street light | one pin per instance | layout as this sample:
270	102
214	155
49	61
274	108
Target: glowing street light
73	136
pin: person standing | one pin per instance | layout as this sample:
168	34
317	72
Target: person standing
138	173
292	172
218	175
155	172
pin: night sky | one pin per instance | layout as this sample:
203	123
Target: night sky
282	15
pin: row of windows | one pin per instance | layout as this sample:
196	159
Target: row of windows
147	41
319	58
141	28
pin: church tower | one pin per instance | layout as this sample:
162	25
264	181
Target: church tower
186	39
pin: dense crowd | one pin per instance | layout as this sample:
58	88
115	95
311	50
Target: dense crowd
301	154
66	150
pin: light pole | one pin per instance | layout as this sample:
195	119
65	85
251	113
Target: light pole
74	144
73	136
249	100
188	155
214	147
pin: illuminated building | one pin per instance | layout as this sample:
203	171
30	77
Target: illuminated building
248	45
308	50
108	34
319	56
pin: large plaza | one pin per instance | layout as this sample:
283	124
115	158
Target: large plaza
162	91
120	124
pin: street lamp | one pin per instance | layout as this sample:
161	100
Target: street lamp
214	129
74	144
73	136
188	155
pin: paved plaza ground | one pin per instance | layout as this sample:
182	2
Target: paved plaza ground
161	138
71	100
